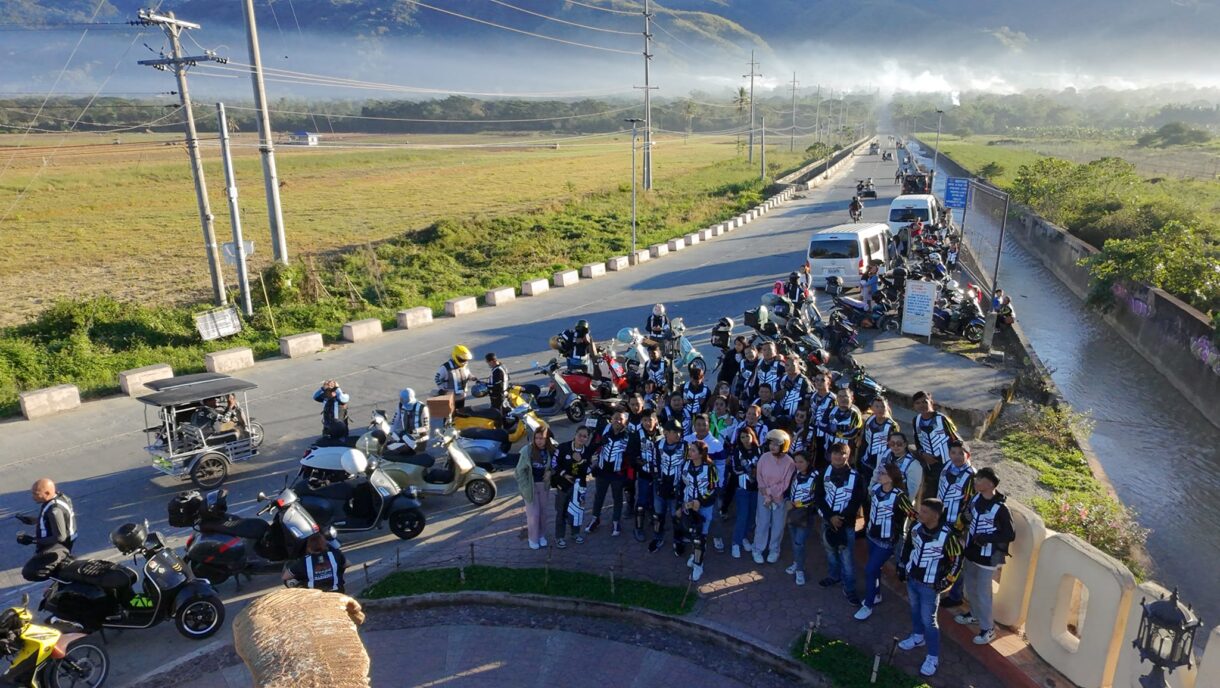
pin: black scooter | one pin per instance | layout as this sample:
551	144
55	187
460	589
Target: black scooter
92	594
227	546
361	501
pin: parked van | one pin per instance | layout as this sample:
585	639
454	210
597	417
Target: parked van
845	250
904	210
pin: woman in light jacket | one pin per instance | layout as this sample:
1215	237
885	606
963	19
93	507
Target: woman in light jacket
535	458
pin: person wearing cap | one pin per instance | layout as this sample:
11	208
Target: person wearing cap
989	533
497	383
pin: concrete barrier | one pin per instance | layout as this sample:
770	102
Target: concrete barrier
229	360
565	278
618	263
658	250
1017	576
48	401
500	296
691	239
461	305
132	381
361	330
676	244
641	256
414	317
303	344
535	287
716	230
1209	668
593	270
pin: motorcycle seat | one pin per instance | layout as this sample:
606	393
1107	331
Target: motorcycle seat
99	572
439	476
247	528
532	389
486	434
854	303
484	413
421	460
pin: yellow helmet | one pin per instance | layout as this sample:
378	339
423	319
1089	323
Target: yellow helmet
461	355
784	439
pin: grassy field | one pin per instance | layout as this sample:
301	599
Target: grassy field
90	214
973	153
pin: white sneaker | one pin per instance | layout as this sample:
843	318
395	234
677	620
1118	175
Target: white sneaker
534	544
929	666
542	542
736	551
790	570
690	561
984	637
747	545
910	642
863	612
773	557
877	598
800	577
758	557
718	544
696	572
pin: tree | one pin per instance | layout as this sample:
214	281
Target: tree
1177	257
991	170
1173	134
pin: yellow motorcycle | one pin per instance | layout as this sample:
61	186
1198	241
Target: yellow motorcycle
490	419
44	657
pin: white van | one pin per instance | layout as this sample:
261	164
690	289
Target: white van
845	250
904	210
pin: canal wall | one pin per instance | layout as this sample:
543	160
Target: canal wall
1175	338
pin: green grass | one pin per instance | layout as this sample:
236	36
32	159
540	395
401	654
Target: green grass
666	599
973	153
1058	468
847	666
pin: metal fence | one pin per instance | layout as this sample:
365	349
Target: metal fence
982	224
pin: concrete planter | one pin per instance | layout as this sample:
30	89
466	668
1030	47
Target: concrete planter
461	305
566	278
500	296
298	345
617	263
414	317
593	270
534	287
48	401
658	250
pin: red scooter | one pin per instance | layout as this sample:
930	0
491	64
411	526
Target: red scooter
589	389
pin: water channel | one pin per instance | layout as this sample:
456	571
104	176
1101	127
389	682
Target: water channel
1160	453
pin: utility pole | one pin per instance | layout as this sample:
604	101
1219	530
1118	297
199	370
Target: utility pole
648	89
792	137
762	151
178	63
817	116
634	122
239	245
751	75
275	215
940	114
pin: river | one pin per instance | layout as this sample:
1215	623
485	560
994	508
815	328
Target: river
1159	452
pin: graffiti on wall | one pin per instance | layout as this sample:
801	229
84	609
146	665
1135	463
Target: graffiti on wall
1206	351
1136	303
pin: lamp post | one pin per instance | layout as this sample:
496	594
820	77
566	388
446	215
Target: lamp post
635	121
936	153
1166	637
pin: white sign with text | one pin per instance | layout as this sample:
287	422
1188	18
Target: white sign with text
917	308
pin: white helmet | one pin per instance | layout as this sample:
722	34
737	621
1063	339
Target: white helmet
658	310
353	461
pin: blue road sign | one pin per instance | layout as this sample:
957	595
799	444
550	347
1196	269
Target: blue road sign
956	189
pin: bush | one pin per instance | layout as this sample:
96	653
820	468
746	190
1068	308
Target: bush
1100	520
991	170
1179	258
1173	134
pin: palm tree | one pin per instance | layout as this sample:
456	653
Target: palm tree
689	108
742	101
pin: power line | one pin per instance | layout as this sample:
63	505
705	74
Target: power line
563	21
600	9
450	121
700	53
522	31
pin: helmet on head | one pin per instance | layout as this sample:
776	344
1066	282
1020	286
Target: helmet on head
129	537
819	357
784	439
353	461
725	322
461	355
855	198
770	300
407	396
625	335
793	277
554	342
658	309
581	327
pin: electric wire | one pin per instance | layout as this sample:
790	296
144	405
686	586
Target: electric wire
564	21
450	121
522	31
600	9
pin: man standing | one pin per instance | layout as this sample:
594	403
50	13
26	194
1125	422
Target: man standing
843	422
793	387
454	376
702	432
989	532
54	531
644	453
568	476
820	404
334	409
928	563
497	383
770	369
838	494
321	568
912	471
933	432
610	470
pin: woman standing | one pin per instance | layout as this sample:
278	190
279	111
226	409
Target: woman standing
536	459
698	496
888	511
800	513
743	458
774	474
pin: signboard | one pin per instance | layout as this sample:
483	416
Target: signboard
228	250
917	308
956	190
217	323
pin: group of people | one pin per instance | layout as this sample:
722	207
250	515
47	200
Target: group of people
775	451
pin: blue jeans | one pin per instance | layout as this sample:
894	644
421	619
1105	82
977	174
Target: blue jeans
644	494
746	504
800	534
663	509
877	556
839	559
924	603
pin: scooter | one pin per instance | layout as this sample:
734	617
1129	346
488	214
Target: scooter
342	488
681	353
613	379
492	419
864	388
43	656
558	397
880	315
490	449
225	546
841	336
91	594
964	321
423	473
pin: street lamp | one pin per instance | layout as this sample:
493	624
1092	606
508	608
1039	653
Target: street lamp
635	121
1166	637
936	154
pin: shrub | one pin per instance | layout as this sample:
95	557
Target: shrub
1099	519
1173	134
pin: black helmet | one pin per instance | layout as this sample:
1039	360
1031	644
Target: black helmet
793	277
819	357
582	326
726	323
129	537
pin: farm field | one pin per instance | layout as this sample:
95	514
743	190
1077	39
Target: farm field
89	214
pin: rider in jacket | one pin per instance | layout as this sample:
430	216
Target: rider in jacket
321	568
334	409
411	422
454	375
54	533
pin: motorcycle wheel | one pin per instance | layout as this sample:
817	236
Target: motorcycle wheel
576	412
210	470
85	663
256	435
200	617
407	523
480	492
974	333
213	575
889	324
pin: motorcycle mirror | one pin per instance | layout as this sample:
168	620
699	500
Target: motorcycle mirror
261	497
25	599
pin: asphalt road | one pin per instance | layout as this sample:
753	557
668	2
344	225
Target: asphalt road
96	456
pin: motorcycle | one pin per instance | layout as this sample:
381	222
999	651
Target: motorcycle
225	546
421	472
864	388
342	488
881	314
964	321
636	355
613	380
866	189
558	397
491	449
493	419
91	594
40	656
841	336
